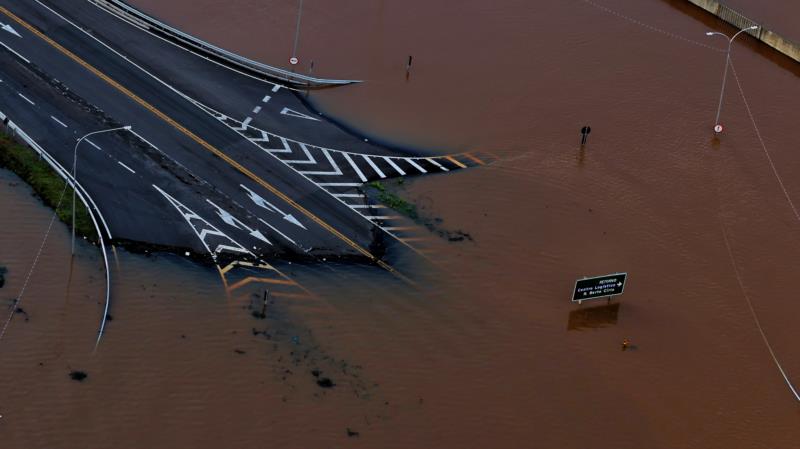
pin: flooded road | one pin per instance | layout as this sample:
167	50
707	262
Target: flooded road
486	353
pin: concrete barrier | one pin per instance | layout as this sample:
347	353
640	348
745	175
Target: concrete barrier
211	52
739	20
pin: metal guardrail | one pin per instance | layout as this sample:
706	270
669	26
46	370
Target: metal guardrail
212	52
16	132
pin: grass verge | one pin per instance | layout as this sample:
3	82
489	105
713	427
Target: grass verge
395	202
47	184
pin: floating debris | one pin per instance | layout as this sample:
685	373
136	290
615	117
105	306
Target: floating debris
79	376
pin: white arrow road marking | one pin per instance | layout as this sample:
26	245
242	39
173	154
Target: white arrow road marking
261	202
207	229
9	29
293	113
236	223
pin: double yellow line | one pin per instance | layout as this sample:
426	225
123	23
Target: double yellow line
202	143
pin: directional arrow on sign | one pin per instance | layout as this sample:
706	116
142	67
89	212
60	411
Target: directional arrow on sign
236	223
9	29
261	202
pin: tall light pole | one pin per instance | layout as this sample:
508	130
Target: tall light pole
717	125
75	172
293	59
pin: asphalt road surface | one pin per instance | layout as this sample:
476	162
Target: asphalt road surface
216	163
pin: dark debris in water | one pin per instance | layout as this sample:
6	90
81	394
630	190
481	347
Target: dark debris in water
352	433
78	376
325	382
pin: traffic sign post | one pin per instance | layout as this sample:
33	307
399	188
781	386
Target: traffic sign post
599	287
293	60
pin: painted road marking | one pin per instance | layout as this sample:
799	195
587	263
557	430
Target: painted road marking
264	137
381	217
339	184
355	167
15	53
128	168
266	99
293	113
374	167
367	206
26	99
261	202
279	232
246	122
337	171
275	88
453	160
59	122
92	144
349	195
395	166
256	109
228	218
433	161
417	166
310	159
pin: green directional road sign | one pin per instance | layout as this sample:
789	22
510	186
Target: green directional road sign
599	287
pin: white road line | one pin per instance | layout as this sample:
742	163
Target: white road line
310	159
395	166
381	217
246	122
417	166
338	184
92	144
266	99
128	168
26	99
275	88
433	161
327	154
367	206
348	195
279	232
256	109
18	55
374	167
355	167
59	122
264	137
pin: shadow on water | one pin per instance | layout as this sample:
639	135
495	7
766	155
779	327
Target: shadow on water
593	317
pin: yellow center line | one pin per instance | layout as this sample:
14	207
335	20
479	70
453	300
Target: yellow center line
203	143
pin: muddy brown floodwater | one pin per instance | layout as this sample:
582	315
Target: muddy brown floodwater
488	353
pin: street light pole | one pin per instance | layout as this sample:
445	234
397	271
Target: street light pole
717	125
75	172
297	32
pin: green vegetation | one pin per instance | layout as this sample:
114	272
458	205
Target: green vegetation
46	183
395	202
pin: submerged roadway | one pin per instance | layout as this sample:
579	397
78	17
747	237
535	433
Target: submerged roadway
217	163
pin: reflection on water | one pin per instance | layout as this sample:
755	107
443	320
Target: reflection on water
593	317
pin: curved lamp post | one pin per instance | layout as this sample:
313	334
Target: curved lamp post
717	126
75	169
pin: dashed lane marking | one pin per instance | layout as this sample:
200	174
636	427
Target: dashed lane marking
126	167
92	144
127	92
59	122
256	109
23	96
266	99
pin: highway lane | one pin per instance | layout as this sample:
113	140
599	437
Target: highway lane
138	79
120	170
178	147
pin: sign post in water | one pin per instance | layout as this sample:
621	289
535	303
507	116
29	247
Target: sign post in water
599	287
